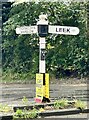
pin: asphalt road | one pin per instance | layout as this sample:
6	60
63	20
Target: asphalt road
15	92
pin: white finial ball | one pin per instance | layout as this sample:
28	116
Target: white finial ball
42	17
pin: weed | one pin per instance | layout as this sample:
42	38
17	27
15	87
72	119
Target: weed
25	114
32	113
5	108
79	104
25	100
41	109
60	103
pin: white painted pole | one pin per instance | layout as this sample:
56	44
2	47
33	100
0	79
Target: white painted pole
42	66
42	32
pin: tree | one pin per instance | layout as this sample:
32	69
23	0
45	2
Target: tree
6	7
65	54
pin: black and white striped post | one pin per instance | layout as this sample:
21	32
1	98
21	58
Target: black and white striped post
42	32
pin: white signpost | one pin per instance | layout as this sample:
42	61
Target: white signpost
26	30
65	30
42	29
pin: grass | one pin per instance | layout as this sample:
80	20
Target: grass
9	77
15	77
79	104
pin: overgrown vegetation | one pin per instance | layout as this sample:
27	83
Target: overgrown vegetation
25	114
80	104
58	104
61	103
34	111
5	108
65	55
24	100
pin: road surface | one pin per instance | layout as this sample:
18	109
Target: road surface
15	92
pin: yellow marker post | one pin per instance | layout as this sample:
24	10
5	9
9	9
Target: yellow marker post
39	88
42	91
47	85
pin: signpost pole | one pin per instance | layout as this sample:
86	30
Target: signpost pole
42	91
42	66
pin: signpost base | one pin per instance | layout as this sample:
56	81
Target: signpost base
42	88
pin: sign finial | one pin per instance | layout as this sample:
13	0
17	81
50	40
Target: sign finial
43	17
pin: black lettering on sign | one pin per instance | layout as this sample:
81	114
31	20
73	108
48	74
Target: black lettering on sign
42	54
65	30
68	30
58	29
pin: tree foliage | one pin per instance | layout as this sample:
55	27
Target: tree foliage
65	55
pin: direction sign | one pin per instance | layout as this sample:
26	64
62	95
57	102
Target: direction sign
66	30
26	30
